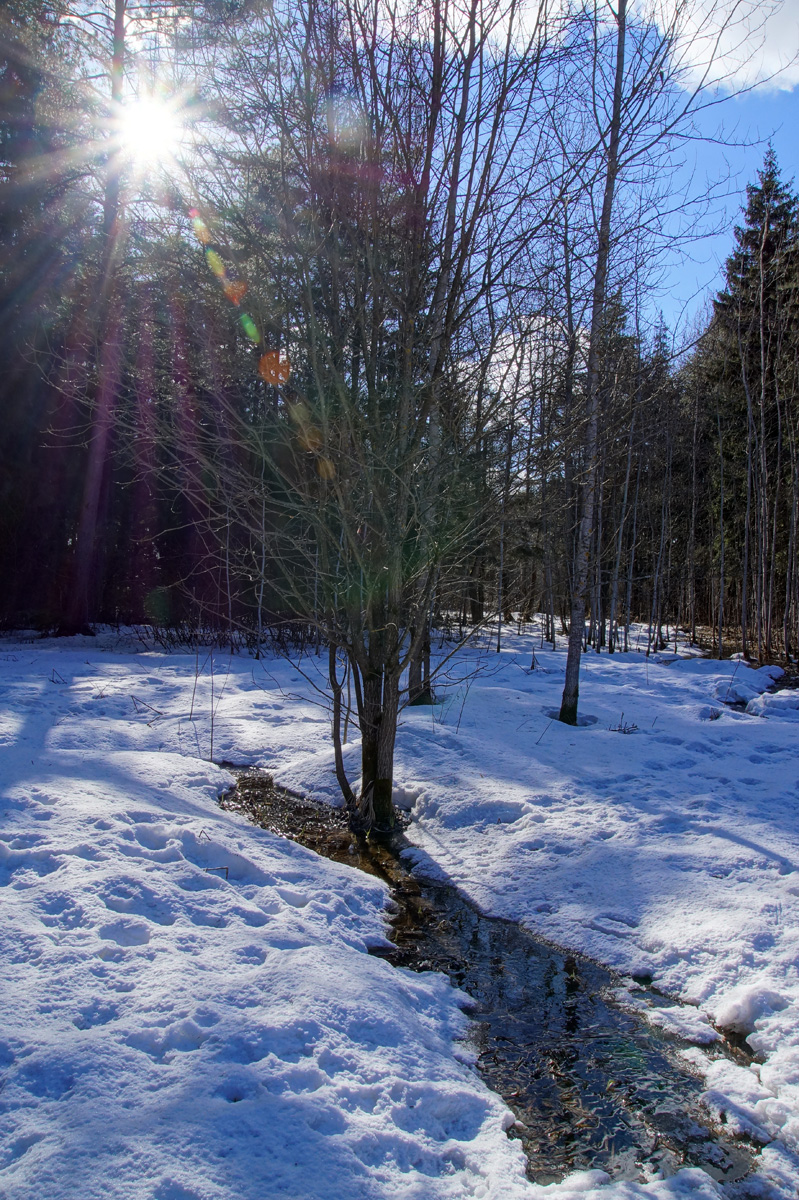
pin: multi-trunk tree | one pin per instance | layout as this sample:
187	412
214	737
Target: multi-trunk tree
379	358
378	178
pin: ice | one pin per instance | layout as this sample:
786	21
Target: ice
685	1022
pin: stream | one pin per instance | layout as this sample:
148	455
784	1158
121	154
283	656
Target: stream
591	1085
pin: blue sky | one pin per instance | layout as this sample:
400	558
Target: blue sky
769	112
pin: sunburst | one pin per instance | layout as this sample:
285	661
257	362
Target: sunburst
151	130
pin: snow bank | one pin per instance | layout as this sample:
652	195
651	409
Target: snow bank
778	704
190	1011
745	683
740	1010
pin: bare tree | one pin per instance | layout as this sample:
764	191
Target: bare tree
639	86
378	178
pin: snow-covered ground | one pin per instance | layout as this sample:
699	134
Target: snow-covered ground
188	1008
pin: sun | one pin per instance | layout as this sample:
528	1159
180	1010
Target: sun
150	130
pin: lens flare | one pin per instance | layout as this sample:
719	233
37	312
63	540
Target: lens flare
274	369
215	263
250	328
201	230
150	130
235	290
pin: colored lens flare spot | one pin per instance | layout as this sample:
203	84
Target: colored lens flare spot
235	290
273	369
201	230
215	263
310	438
250	328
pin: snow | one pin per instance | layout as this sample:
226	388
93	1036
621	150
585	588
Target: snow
189	1008
782	704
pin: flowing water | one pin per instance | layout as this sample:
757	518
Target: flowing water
592	1086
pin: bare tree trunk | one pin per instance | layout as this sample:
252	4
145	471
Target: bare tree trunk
631	562
598	613
341	774
775	511
571	689
378	733
790	564
692	535
721	542
763	629
505	495
748	517
614	586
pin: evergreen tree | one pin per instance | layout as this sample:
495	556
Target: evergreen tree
752	370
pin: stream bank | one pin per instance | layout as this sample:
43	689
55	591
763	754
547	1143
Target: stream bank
591	1085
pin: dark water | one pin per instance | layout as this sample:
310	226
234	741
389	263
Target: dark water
592	1086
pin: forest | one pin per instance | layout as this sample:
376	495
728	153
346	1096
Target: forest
399	618
331	324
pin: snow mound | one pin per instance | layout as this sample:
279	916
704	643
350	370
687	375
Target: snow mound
739	1011
783	704
746	683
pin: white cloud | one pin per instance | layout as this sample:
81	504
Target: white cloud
742	43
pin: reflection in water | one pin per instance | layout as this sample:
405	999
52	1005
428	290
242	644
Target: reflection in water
590	1084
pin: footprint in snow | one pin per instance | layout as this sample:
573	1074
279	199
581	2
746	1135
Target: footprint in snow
292	897
619	918
46	1078
151	839
18	867
95	1014
168	1189
184	1036
129	896
253	917
26	841
612	924
19	1147
251	955
125	933
239	1087
140	817
60	911
702	748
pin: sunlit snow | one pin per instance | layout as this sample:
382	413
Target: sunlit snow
172	1034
